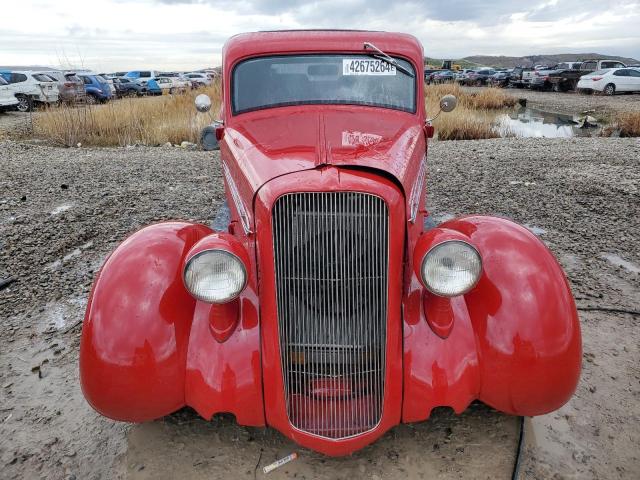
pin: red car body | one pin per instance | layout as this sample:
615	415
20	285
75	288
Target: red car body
149	348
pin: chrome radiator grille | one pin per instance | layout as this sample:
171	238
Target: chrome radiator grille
331	262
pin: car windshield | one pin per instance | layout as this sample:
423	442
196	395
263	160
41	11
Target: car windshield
267	82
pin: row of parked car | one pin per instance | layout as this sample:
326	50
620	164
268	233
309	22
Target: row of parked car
23	90
606	76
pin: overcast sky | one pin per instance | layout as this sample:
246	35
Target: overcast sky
109	35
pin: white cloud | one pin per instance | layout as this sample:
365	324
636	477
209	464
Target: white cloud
185	34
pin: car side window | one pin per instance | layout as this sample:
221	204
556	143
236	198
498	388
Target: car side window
18	77
145	74
634	73
86	80
589	66
621	73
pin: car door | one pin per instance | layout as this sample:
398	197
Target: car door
634	80
621	80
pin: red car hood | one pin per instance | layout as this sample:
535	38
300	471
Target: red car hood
268	144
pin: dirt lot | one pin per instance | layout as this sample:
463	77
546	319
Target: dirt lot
63	210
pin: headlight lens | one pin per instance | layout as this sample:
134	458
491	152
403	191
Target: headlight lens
215	276
451	268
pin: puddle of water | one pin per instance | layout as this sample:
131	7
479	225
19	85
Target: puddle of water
529	122
618	261
61	208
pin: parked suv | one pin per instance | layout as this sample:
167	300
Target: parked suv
32	89
96	88
479	77
70	86
199	79
143	74
8	100
128	87
499	79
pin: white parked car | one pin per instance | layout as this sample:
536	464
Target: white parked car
611	81
199	78
8	100
172	84
32	89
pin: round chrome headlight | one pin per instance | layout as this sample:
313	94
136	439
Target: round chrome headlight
451	268
215	276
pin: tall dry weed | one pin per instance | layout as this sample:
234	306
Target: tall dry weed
629	124
128	121
158	120
474	117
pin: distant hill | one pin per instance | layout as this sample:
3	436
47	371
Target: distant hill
475	61
510	62
437	62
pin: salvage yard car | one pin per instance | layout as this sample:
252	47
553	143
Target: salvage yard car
70	86
128	87
8	100
97	88
323	301
31	89
611	81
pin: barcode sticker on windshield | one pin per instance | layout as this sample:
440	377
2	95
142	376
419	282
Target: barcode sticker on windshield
367	66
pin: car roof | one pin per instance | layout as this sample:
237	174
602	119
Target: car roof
313	41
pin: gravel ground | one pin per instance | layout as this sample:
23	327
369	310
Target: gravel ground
574	103
63	210
15	124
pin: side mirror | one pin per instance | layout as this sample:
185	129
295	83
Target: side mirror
448	103
203	103
209	137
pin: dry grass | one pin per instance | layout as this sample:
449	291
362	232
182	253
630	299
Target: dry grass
629	124
158	120
474	117
130	121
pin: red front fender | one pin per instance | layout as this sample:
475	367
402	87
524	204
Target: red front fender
136	328
515	340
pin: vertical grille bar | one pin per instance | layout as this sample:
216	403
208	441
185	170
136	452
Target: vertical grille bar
331	262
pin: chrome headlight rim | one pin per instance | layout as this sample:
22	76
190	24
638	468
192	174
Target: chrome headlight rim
432	249
209	251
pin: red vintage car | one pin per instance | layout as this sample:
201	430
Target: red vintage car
323	301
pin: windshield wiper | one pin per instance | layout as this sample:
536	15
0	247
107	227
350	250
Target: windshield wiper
386	58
